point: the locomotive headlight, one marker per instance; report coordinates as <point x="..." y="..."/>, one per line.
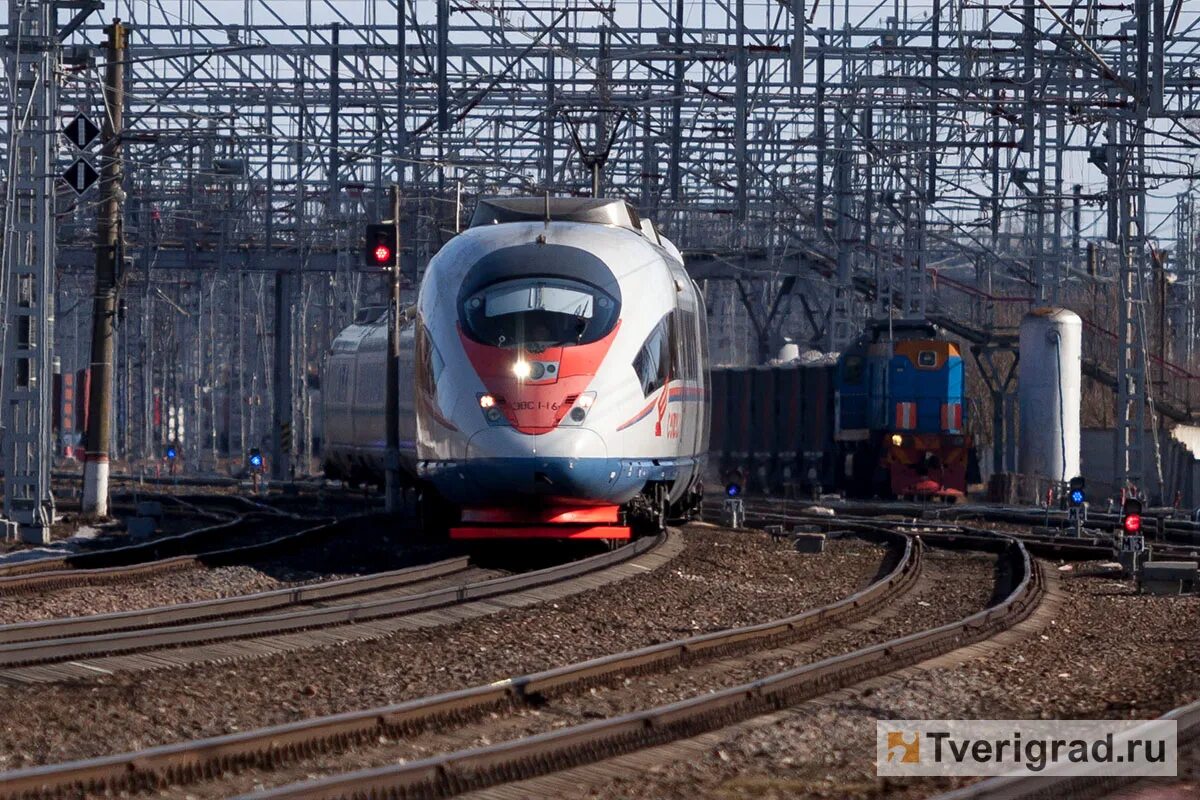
<point x="897" y="439"/>
<point x="490" y="404"/>
<point x="579" y="409"/>
<point x="522" y="369"/>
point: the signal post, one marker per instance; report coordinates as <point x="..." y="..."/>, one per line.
<point x="392" y="395"/>
<point x="381" y="249"/>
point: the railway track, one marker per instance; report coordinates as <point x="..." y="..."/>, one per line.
<point x="207" y="546"/>
<point x="230" y="516"/>
<point x="281" y="745"/>
<point x="519" y="759"/>
<point x="1161" y="527"/>
<point x="112" y="642"/>
<point x="1080" y="787"/>
<point x="762" y="512"/>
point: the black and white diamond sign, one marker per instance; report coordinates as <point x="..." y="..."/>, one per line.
<point x="80" y="175"/>
<point x="81" y="131"/>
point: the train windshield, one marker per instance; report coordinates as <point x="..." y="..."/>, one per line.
<point x="536" y="313"/>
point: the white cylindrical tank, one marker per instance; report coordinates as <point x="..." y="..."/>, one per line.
<point x="789" y="352"/>
<point x="1048" y="390"/>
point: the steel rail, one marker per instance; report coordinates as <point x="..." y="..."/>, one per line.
<point x="1065" y="547"/>
<point x="225" y="607"/>
<point x="128" y="641"/>
<point x="523" y="758"/>
<point x="250" y="516"/>
<point x="1073" y="787"/>
<point x="93" y="568"/>
<point x="187" y="762"/>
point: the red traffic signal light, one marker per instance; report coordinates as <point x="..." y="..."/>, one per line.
<point x="1131" y="516"/>
<point x="379" y="247"/>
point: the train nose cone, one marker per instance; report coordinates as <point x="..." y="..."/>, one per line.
<point x="504" y="467"/>
<point x="566" y="443"/>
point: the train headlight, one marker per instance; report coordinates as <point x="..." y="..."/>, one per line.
<point x="490" y="404"/>
<point x="522" y="369"/>
<point x="579" y="409"/>
<point x="897" y="440"/>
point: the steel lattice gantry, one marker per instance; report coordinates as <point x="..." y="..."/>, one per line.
<point x="821" y="166"/>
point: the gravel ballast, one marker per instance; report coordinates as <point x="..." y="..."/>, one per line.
<point x="1107" y="653"/>
<point x="953" y="585"/>
<point x="358" y="554"/>
<point x="721" y="579"/>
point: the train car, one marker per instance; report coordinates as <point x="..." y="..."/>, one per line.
<point x="553" y="382"/>
<point x="887" y="419"/>
<point x="764" y="411"/>
<point x="718" y="447"/>
<point x="779" y="431"/>
<point x="901" y="415"/>
<point x="740" y="404"/>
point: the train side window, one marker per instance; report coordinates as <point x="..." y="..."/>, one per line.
<point x="683" y="327"/>
<point x="927" y="359"/>
<point x="428" y="364"/>
<point x="653" y="362"/>
<point x="853" y="370"/>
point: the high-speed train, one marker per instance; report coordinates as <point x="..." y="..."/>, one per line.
<point x="552" y="379"/>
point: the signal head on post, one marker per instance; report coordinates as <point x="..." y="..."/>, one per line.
<point x="255" y="458"/>
<point x="1131" y="516"/>
<point x="1075" y="491"/>
<point x="171" y="452"/>
<point x="379" y="245"/>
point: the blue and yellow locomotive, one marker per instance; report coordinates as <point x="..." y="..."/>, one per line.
<point x="901" y="415"/>
<point x="887" y="420"/>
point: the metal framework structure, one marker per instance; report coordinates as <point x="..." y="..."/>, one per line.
<point x="821" y="166"/>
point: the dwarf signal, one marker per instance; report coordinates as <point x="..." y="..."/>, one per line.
<point x="1131" y="525"/>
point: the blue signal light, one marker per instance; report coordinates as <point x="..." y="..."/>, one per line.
<point x="256" y="460"/>
<point x="733" y="490"/>
<point x="1077" y="497"/>
<point x="171" y="453"/>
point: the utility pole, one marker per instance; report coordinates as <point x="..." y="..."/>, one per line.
<point x="108" y="251"/>
<point x="392" y="394"/>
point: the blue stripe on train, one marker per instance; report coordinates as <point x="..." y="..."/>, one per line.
<point x="510" y="481"/>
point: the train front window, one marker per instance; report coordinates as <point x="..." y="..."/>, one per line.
<point x="536" y="313"/>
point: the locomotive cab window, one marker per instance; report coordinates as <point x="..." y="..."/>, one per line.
<point x="537" y="313"/>
<point x="927" y="359"/>
<point x="653" y="362"/>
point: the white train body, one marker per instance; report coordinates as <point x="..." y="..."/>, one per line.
<point x="558" y="363"/>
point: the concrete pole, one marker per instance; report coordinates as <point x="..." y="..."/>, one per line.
<point x="104" y="310"/>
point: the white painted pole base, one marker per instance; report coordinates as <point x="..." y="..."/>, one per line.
<point x="95" y="487"/>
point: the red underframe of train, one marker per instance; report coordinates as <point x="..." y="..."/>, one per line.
<point x="948" y="479"/>
<point x="554" y="522"/>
